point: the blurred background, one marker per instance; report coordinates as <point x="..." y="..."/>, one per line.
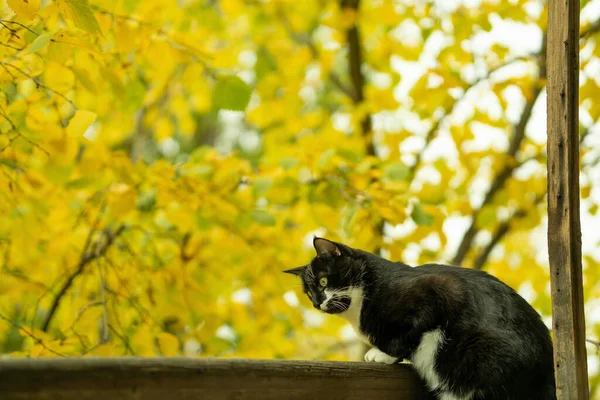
<point x="163" y="161"/>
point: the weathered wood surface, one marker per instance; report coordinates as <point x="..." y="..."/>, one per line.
<point x="564" y="230"/>
<point x="214" y="379"/>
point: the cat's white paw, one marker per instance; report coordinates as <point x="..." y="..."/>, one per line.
<point x="378" y="356"/>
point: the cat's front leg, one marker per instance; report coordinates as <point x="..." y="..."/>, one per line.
<point x="376" y="355"/>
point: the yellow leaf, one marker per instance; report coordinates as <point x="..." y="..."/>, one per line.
<point x="79" y="11"/>
<point x="80" y="123"/>
<point x="23" y="69"/>
<point x="25" y="8"/>
<point x="104" y="350"/>
<point x="59" y="77"/>
<point x="71" y="38"/>
<point x="585" y="191"/>
<point x="168" y="344"/>
<point x="27" y="331"/>
<point x="387" y="14"/>
<point x="164" y="129"/>
<point x="142" y="343"/>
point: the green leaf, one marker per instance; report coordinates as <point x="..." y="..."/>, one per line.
<point x="133" y="98"/>
<point x="130" y="5"/>
<point x="289" y="162"/>
<point x="146" y="200"/>
<point x="265" y="64"/>
<point x="39" y="43"/>
<point x="163" y="222"/>
<point x="80" y="183"/>
<point x="263" y="217"/>
<point x="261" y="185"/>
<point x="199" y="170"/>
<point x="487" y="217"/>
<point x="12" y="164"/>
<point x="202" y="222"/>
<point x="79" y="11"/>
<point x="325" y="157"/>
<point x="349" y="155"/>
<point x="231" y="93"/>
<point x="420" y="216"/>
<point x="396" y="171"/>
<point x="347" y="215"/>
<point x="83" y="78"/>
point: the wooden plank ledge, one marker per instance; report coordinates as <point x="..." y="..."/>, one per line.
<point x="203" y="378"/>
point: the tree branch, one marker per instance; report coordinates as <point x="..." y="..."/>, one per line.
<point x="590" y="29"/>
<point x="306" y="40"/>
<point x="501" y="231"/>
<point x="595" y="343"/>
<point x="355" y="60"/>
<point x="123" y="338"/>
<point x="31" y="335"/>
<point x="86" y="258"/>
<point x="510" y="165"/>
<point x="104" y="331"/>
<point x="433" y="131"/>
<point x="16" y="130"/>
<point x="3" y="22"/>
<point x="37" y="82"/>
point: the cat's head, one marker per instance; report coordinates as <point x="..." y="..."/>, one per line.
<point x="331" y="277"/>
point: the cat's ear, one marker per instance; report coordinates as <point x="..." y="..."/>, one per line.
<point x="324" y="246"/>
<point x="298" y="271"/>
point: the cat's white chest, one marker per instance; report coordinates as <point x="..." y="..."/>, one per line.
<point x="352" y="314"/>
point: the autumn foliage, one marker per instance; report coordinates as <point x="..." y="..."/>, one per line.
<point x="161" y="163"/>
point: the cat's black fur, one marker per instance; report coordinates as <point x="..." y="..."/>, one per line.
<point x="496" y="345"/>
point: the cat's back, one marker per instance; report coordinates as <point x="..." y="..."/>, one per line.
<point x="488" y="300"/>
<point x="493" y="319"/>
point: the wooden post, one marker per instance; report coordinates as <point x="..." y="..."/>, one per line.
<point x="564" y="230"/>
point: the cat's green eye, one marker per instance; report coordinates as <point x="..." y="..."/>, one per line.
<point x="309" y="294"/>
<point x="323" y="281"/>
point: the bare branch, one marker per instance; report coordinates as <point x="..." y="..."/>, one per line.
<point x="355" y="61"/>
<point x="510" y="164"/>
<point x="82" y="311"/>
<point x="106" y="240"/>
<point x="37" y="82"/>
<point x="11" y="46"/>
<point x="123" y="339"/>
<point x="21" y="276"/>
<point x="31" y="335"/>
<point x="3" y="22"/>
<point x="104" y="333"/>
<point x="590" y="30"/>
<point x="595" y="343"/>
<point x="501" y="231"/>
<point x="19" y="135"/>
<point x="433" y="131"/>
<point x="306" y="40"/>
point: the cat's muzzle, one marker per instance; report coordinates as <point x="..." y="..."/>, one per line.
<point x="336" y="305"/>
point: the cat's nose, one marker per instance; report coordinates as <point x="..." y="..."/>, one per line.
<point x="316" y="305"/>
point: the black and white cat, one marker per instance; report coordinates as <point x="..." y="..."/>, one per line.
<point x="467" y="334"/>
